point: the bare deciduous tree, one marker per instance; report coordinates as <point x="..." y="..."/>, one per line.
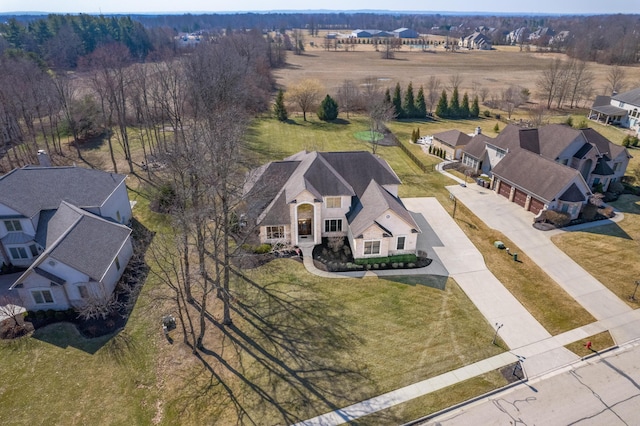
<point x="616" y="79"/>
<point x="305" y="95"/>
<point x="433" y="92"/>
<point x="347" y="94"/>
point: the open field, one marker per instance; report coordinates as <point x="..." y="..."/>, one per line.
<point x="495" y="69"/>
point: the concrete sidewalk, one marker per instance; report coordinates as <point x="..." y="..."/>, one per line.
<point x="516" y="224"/>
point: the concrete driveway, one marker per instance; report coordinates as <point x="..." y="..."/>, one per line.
<point x="516" y="224"/>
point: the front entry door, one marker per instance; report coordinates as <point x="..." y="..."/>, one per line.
<point x="304" y="227"/>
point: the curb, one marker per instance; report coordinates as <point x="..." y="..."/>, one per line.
<point x="464" y="403"/>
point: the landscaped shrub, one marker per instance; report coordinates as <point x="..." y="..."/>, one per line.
<point x="263" y="248"/>
<point x="607" y="211"/>
<point x="335" y="243"/>
<point x="557" y="218"/>
<point x="616" y="187"/>
<point x="486" y="113"/>
<point x="401" y="258"/>
<point x="589" y="212"/>
<point x="60" y="316"/>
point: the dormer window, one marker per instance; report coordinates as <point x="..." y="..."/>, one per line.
<point x="333" y="202"/>
<point x="13" y="225"/>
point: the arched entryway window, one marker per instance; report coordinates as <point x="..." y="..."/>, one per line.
<point x="305" y="222"/>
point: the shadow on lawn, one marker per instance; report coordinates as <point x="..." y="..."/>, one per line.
<point x="434" y="281"/>
<point x="611" y="229"/>
<point x="290" y="354"/>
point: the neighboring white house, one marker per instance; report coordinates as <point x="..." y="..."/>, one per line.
<point x="620" y="109"/>
<point x="312" y="195"/>
<point x="67" y="226"/>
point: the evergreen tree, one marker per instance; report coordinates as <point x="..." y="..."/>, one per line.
<point x="464" y="108"/>
<point x="454" y="105"/>
<point x="413" y="136"/>
<point x="496" y="128"/>
<point x="397" y="102"/>
<point x="409" y="102"/>
<point x="430" y="149"/>
<point x="475" y="108"/>
<point x="442" y="109"/>
<point x="417" y="133"/>
<point x="328" y="110"/>
<point x="421" y="105"/>
<point x="387" y="97"/>
<point x="279" y="109"/>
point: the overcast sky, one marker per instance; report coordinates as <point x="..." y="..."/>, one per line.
<point x="178" y="6"/>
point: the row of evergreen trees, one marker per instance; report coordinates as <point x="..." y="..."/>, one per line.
<point x="455" y="108"/>
<point x="438" y="152"/>
<point x="410" y="107"/>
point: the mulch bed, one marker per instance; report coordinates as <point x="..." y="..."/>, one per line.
<point x="9" y="330"/>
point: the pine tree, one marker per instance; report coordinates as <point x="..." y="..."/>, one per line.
<point x="397" y="102"/>
<point x="421" y="105"/>
<point x="387" y="97"/>
<point x="279" y="109"/>
<point x="454" y="105"/>
<point x="430" y="149"/>
<point x="442" y="109"/>
<point x="475" y="108"/>
<point x="328" y="109"/>
<point x="409" y="102"/>
<point x="464" y="108"/>
<point x="413" y="136"/>
<point x="496" y="128"/>
<point x="418" y="133"/>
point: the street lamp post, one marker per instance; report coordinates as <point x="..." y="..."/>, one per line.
<point x="633" y="296"/>
<point x="495" y="336"/>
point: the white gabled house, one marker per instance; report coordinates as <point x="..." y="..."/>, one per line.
<point x="620" y="109"/>
<point x="66" y="225"/>
<point x="312" y="195"/>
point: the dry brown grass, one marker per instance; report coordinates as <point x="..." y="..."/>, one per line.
<point x="598" y="341"/>
<point x="495" y="70"/>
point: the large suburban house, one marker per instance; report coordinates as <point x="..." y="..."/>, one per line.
<point x="620" y="109"/>
<point x="475" y="41"/>
<point x="554" y="167"/>
<point x="67" y="226"/>
<point x="315" y="195"/>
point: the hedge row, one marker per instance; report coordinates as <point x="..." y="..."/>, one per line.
<point x="401" y="258"/>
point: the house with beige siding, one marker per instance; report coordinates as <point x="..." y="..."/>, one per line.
<point x="314" y="195"/>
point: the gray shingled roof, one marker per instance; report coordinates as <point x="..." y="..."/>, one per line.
<point x="477" y="146"/>
<point x="31" y="189"/>
<point x="374" y="202"/>
<point x="555" y="138"/>
<point x="535" y="174"/>
<point x="573" y="194"/>
<point x="453" y="138"/>
<point x="631" y="97"/>
<point x="360" y="167"/>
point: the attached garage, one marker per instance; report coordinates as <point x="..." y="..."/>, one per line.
<point x="536" y="205"/>
<point x="520" y="198"/>
<point x="505" y="189"/>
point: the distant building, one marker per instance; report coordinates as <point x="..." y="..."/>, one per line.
<point x="405" y="33"/>
<point x="475" y="41"/>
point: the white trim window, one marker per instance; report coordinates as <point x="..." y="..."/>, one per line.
<point x="333" y="202"/>
<point x="42" y="297"/>
<point x="275" y="232"/>
<point x="333" y="225"/>
<point x="401" y="242"/>
<point x="372" y="247"/>
<point x="83" y="291"/>
<point x="13" y="225"/>
<point x="18" y="253"/>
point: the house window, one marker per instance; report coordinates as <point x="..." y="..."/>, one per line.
<point x="616" y="166"/>
<point x="500" y="152"/>
<point x="34" y="250"/>
<point x="596" y="181"/>
<point x="275" y="232"/>
<point x="18" y="253"/>
<point x="117" y="264"/>
<point x="118" y="217"/>
<point x="400" y="244"/>
<point x="84" y="292"/>
<point x="333" y="202"/>
<point x="42" y="297"/>
<point x="13" y="225"/>
<point x="333" y="225"/>
<point x="372" y="247"/>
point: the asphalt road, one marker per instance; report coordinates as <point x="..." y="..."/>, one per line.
<point x="604" y="390"/>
